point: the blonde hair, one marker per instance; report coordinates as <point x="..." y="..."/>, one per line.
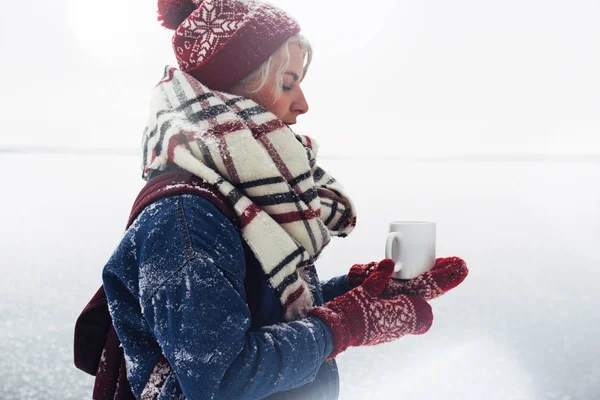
<point x="274" y="68"/>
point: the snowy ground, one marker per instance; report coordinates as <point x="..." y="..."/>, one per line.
<point x="524" y="325"/>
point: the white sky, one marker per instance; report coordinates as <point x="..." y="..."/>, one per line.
<point x="406" y="77"/>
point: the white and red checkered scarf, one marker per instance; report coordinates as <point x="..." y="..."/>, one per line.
<point x="288" y="207"/>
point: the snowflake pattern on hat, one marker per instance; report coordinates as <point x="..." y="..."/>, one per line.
<point x="208" y="26"/>
<point x="220" y="42"/>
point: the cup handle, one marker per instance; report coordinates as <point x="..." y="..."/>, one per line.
<point x="389" y="244"/>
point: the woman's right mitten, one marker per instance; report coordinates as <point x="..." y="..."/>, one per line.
<point x="360" y="318"/>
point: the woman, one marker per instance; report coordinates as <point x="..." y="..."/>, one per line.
<point x="216" y="296"/>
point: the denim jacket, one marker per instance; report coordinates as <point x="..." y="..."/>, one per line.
<point x="182" y="284"/>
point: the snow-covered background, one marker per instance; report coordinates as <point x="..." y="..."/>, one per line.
<point x="481" y="116"/>
<point x="524" y="325"/>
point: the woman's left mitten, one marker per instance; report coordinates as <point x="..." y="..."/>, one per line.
<point x="360" y="318"/>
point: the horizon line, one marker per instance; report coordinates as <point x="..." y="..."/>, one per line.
<point x="472" y="156"/>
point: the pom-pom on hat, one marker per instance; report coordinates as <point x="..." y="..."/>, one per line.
<point x="220" y="42"/>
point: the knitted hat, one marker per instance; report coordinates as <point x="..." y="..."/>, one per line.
<point x="220" y="42"/>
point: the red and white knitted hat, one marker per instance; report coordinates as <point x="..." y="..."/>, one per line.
<point x="220" y="42"/>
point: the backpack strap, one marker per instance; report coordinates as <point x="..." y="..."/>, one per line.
<point x="97" y="349"/>
<point x="178" y="182"/>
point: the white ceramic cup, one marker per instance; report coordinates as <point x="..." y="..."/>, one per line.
<point x="412" y="245"/>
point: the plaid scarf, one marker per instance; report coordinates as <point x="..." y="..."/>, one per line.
<point x="287" y="206"/>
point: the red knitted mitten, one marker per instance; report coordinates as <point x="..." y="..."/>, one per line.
<point x="446" y="274"/>
<point x="360" y="318"/>
<point x="359" y="272"/>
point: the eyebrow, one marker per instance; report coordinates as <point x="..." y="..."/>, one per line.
<point x="293" y="74"/>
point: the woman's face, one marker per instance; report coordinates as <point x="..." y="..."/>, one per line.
<point x="292" y="102"/>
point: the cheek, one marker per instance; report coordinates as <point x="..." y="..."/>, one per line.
<point x="279" y="108"/>
<point x="265" y="98"/>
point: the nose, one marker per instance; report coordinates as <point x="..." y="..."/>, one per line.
<point x="300" y="105"/>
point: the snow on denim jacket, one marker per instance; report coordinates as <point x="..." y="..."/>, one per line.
<point x="182" y="284"/>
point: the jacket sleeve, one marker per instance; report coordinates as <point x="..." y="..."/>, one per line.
<point x="334" y="287"/>
<point x="201" y="320"/>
